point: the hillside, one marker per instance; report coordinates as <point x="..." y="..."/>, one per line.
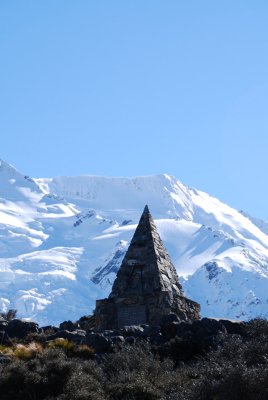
<point x="63" y="239"/>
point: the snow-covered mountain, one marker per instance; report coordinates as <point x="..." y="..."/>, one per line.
<point x="62" y="241"/>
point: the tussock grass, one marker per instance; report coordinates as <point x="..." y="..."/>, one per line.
<point x="26" y="352"/>
<point x="61" y="343"/>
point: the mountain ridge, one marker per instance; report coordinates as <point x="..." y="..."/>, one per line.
<point x="63" y="239"/>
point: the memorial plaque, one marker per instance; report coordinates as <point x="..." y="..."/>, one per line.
<point x="131" y="315"/>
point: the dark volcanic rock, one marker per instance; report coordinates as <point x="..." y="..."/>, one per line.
<point x="130" y="340"/>
<point x="133" y="330"/>
<point x="78" y="336"/>
<point x="151" y="330"/>
<point x="117" y="339"/>
<point x="169" y="318"/>
<point x="109" y="333"/>
<point x="234" y="327"/>
<point x="100" y="343"/>
<point x="170" y="330"/>
<point x="157" y="338"/>
<point x="68" y="326"/>
<point x="49" y="329"/>
<point x="208" y="327"/>
<point x="87" y="322"/>
<point x="18" y="328"/>
<point x="185" y="329"/>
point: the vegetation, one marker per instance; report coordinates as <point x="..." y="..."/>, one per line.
<point x="235" y="367"/>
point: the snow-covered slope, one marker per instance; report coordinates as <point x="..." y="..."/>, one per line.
<point x="63" y="239"/>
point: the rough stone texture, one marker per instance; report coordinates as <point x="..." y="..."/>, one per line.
<point x="100" y="343"/>
<point x="68" y="326"/>
<point x="234" y="327"/>
<point x="146" y="287"/>
<point x="86" y="322"/>
<point x="78" y="336"/>
<point x="49" y="329"/>
<point x="208" y="326"/>
<point x="19" y="329"/>
<point x="132" y="331"/>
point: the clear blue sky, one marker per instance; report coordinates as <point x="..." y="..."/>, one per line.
<point x="139" y="87"/>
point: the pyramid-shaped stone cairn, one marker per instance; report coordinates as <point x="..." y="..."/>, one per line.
<point x="147" y="285"/>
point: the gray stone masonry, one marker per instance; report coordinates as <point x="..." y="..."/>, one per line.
<point x="147" y="285"/>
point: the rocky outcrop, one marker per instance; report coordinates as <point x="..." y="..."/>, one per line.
<point x="18" y="328"/>
<point x="77" y="336"/>
<point x="147" y="285"/>
<point x="192" y="337"/>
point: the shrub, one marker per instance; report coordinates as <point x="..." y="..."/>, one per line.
<point x="35" y="337"/>
<point x="87" y="382"/>
<point x="180" y="350"/>
<point x="84" y="351"/>
<point x="136" y="373"/>
<point x="236" y="369"/>
<point x="135" y="390"/>
<point x="257" y="327"/>
<point x="51" y="375"/>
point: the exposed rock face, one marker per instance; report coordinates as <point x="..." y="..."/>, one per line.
<point x="19" y="329"/>
<point x="147" y="285"/>
<point x="78" y="336"/>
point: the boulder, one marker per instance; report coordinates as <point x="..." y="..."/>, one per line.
<point x="130" y="340"/>
<point x="100" y="343"/>
<point x="117" y="339"/>
<point x="157" y="339"/>
<point x="110" y="333"/>
<point x="19" y="328"/>
<point x="168" y="319"/>
<point x="132" y="330"/>
<point x="185" y="329"/>
<point x="208" y="327"/>
<point x="78" y="336"/>
<point x="206" y="332"/>
<point x="234" y="327"/>
<point x="169" y="330"/>
<point x="49" y="329"/>
<point x="68" y="326"/>
<point x="151" y="330"/>
<point x="87" y="322"/>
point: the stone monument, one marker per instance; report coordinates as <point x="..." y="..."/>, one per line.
<point x="147" y="285"/>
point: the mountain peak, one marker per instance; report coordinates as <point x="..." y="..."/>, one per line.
<point x="51" y="247"/>
<point x="6" y="167"/>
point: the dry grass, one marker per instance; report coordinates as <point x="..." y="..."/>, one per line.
<point x="26" y="352"/>
<point x="61" y="343"/>
<point x="6" y="350"/>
